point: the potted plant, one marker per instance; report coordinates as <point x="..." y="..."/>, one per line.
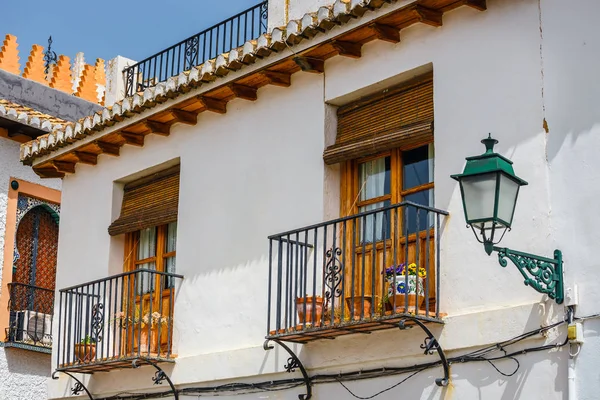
<point x="85" y="350"/>
<point x="307" y="302"/>
<point x="144" y="329"/>
<point x="398" y="277"/>
<point x="362" y="306"/>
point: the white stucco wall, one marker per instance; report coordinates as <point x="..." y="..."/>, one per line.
<point x="571" y="90"/>
<point x="24" y="372"/>
<point x="258" y="170"/>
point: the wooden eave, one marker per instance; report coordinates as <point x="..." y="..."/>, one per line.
<point x="20" y="132"/>
<point x="238" y="74"/>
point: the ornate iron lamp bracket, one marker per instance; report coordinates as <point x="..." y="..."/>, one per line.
<point x="429" y="345"/>
<point x="77" y="388"/>
<point x="159" y="375"/>
<point x="544" y="275"/>
<point x="292" y="363"/>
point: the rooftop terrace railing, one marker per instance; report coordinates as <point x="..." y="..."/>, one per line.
<point x="195" y="50"/>
<point x="360" y="273"/>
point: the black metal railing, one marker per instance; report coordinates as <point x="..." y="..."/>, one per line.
<point x="195" y="50"/>
<point x="119" y="318"/>
<point x="31" y="309"/>
<point x="371" y="266"/>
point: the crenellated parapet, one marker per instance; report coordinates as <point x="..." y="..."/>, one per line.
<point x="74" y="77"/>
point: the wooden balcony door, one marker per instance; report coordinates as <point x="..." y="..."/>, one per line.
<point x="151" y="295"/>
<point x="386" y="238"/>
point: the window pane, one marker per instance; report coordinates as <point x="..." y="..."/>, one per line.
<point x="147" y="243"/>
<point x="145" y="280"/>
<point x="146" y="249"/>
<point x="418" y="167"/>
<point x="171" y="242"/>
<point x="374" y="178"/>
<point x="425" y="218"/>
<point x="375" y="225"/>
<point x="170" y="268"/>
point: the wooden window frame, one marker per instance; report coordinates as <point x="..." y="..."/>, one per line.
<point x="350" y="186"/>
<point x="131" y="250"/>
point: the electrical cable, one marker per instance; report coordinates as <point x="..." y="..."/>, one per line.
<point x="382" y="391"/>
<point x="481" y="355"/>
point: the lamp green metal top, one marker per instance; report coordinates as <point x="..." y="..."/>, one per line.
<point x="489" y="162"/>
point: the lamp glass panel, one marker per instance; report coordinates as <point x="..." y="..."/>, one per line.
<point x="507" y="198"/>
<point x="479" y="196"/>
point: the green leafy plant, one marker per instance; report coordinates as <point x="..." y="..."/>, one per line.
<point x="88" y="340"/>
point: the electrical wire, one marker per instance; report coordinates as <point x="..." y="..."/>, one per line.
<point x="382" y="391"/>
<point x="481" y="355"/>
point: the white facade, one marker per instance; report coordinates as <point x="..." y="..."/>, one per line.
<point x="258" y="170"/>
<point x="25" y="372"/>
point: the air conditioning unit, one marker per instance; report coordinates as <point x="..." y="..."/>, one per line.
<point x="34" y="327"/>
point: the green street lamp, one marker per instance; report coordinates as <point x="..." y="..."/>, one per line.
<point x="489" y="189"/>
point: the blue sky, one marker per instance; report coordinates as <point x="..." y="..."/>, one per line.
<point x="104" y="29"/>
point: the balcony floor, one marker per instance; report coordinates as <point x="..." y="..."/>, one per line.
<point x="308" y="333"/>
<point x="109" y="364"/>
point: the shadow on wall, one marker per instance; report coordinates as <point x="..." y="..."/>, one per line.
<point x="25" y="362"/>
<point x="24" y="374"/>
<point x="512" y="376"/>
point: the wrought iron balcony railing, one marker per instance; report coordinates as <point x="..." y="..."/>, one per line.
<point x="110" y="322"/>
<point x="350" y="274"/>
<point x="195" y="50"/>
<point x="31" y="309"/>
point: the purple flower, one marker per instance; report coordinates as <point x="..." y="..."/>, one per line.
<point x="394" y="270"/>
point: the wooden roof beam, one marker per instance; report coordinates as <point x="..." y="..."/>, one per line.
<point x="86" y="158"/>
<point x="347" y="49"/>
<point x="185" y="117"/>
<point x="112" y="149"/>
<point x="480" y="5"/>
<point x="310" y="64"/>
<point x="48" y="172"/>
<point x="386" y="33"/>
<point x="64" y="167"/>
<point x="214" y="105"/>
<point x="244" y="92"/>
<point x="157" y="128"/>
<point x="427" y="15"/>
<point x="277" y="78"/>
<point x="134" y="139"/>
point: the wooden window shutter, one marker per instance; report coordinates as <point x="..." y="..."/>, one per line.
<point x="399" y="117"/>
<point x="147" y="202"/>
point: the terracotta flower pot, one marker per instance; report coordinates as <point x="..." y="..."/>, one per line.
<point x="308" y="301"/>
<point x="141" y="338"/>
<point x="85" y="352"/>
<point x="360" y="304"/>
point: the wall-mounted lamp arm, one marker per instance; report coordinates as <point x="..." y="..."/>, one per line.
<point x="545" y="275"/>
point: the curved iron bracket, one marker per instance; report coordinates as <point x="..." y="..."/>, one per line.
<point x="78" y="388"/>
<point x="545" y="275"/>
<point x="292" y="363"/>
<point x="429" y="344"/>
<point x="159" y="375"/>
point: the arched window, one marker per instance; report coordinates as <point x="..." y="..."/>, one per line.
<point x="34" y="272"/>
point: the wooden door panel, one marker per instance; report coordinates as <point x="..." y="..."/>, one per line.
<point x="376" y="258"/>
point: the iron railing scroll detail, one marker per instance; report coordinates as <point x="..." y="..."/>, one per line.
<point x="370" y="268"/>
<point x="293" y="362"/>
<point x="429" y="345"/>
<point x="110" y="322"/>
